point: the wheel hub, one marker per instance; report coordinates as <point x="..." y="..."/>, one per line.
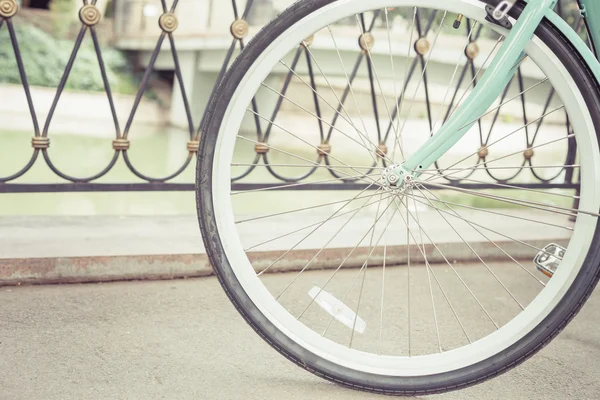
<point x="396" y="178"/>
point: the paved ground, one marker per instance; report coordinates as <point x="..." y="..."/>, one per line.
<point x="183" y="340"/>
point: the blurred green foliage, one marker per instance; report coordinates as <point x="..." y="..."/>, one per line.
<point x="45" y="59"/>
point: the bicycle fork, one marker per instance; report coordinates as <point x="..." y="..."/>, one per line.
<point x="494" y="80"/>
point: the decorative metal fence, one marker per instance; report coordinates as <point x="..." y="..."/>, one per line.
<point x="89" y="16"/>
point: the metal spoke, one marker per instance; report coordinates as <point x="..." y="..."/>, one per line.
<point x="400" y="102"/>
<point x="422" y="251"/>
<point x="303" y="209"/>
<point x="300" y="139"/>
<point x="316" y="165"/>
<point x="462" y="54"/>
<point x="382" y="287"/>
<point x="423" y="73"/>
<point x="320" y="250"/>
<point x="494" y="231"/>
<point x="505" y="185"/>
<point x="485" y="141"/>
<point x="361" y="268"/>
<point x="437" y="199"/>
<point x="348" y="120"/>
<point x="504" y="137"/>
<point x="478" y="256"/>
<point x="527" y="203"/>
<point x="284" y="89"/>
<point x="317" y="117"/>
<point x="397" y="139"/>
<point x="377" y="76"/>
<point x="340" y="267"/>
<point x="486" y="163"/>
<point x="406" y="222"/>
<point x="313" y="84"/>
<point x="503" y="167"/>
<point x="371" y="80"/>
<point x="308" y="226"/>
<point x="298" y="184"/>
<point x="546" y="106"/>
<point x="489" y="211"/>
<point x="355" y="169"/>
<point x="340" y="102"/>
<point x="474" y="80"/>
<point x="362" y="284"/>
<point x="428" y="268"/>
<point x="349" y="86"/>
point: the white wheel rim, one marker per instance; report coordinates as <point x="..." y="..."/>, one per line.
<point x="404" y="366"/>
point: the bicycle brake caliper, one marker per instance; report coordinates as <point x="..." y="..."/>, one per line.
<point x="499" y="15"/>
<point x="502" y="9"/>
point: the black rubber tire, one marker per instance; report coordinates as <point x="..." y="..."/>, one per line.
<point x="516" y="354"/>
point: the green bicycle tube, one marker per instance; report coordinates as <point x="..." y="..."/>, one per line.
<point x="592" y="17"/>
<point x="494" y="80"/>
<point x="573" y="37"/>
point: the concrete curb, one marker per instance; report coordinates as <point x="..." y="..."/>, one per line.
<point x="17" y="271"/>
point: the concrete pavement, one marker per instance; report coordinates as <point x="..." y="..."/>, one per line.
<point x="182" y="339"/>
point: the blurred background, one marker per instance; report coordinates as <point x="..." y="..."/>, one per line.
<point x="157" y="101"/>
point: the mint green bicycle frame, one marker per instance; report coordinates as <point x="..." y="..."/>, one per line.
<point x="501" y="70"/>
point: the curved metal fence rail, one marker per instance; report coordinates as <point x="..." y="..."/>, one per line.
<point x="89" y="16"/>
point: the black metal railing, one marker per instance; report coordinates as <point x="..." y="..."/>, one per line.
<point x="89" y="16"/>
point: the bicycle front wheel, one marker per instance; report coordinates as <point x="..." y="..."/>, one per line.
<point x="422" y="287"/>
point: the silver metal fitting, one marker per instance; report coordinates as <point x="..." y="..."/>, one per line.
<point x="502" y="9"/>
<point x="392" y="178"/>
